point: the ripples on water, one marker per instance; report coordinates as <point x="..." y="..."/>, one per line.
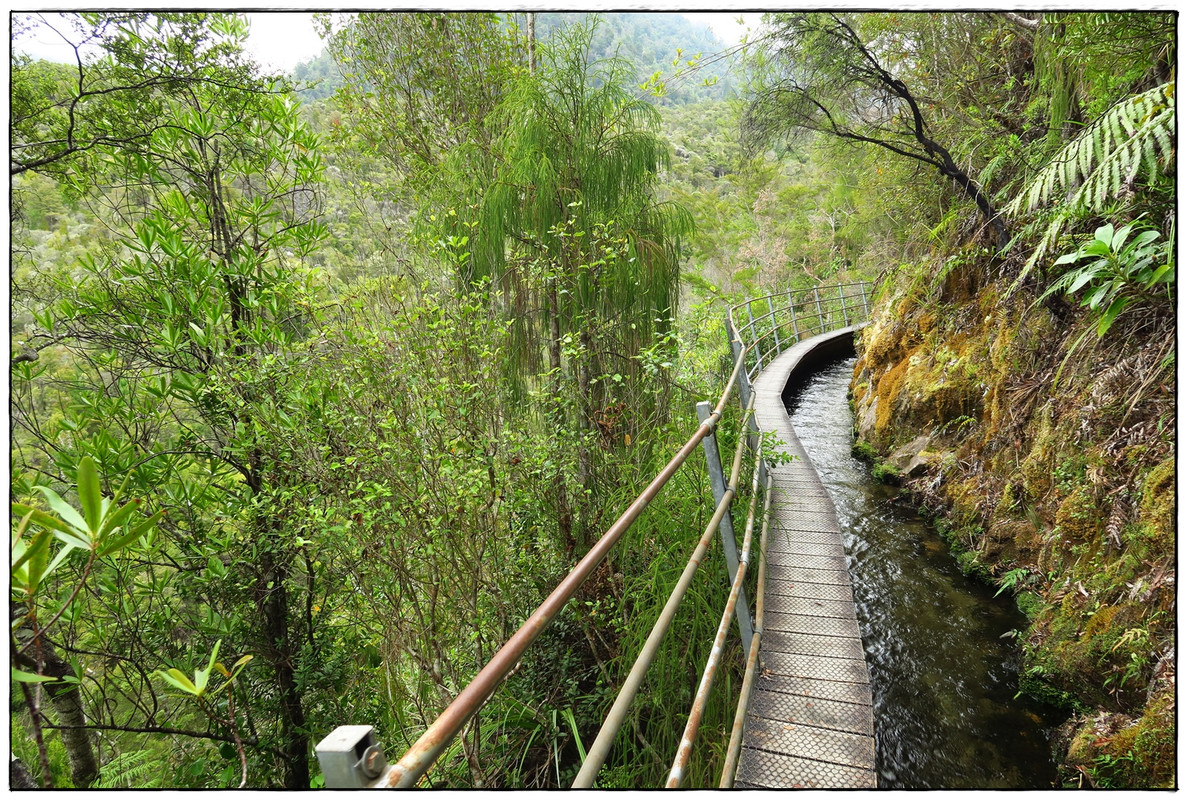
<point x="943" y="679"/>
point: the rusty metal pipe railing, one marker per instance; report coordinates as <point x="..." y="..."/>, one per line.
<point x="734" y="748"/>
<point x="596" y="754"/>
<point x="416" y="761"/>
<point x="425" y="751"/>
<point x="684" y="752"/>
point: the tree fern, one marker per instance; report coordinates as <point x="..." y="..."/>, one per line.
<point x="135" y="769"/>
<point x="1132" y="139"/>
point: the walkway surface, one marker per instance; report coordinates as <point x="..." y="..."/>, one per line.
<point x="810" y="722"/>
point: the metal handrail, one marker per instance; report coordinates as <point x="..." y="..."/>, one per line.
<point x="734" y="748"/>
<point x="684" y="752"/>
<point x="596" y="755"/>
<point x="749" y="325"/>
<point x="425" y="751"/>
<point x="817" y="324"/>
<point x="789" y="293"/>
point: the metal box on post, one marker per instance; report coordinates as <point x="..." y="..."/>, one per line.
<point x="350" y="757"/>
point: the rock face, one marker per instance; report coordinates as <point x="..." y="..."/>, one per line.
<point x="865" y="425"/>
<point x="1068" y="485"/>
<point x="907" y="459"/>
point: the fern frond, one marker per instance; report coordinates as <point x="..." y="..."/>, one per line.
<point x="1124" y="136"/>
<point x="135" y="769"/>
<point x="1135" y="136"/>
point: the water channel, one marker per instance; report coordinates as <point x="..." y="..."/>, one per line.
<point x="943" y="678"/>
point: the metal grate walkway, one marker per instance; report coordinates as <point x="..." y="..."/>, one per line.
<point x="810" y="722"/>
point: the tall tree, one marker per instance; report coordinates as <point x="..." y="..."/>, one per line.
<point x="418" y="85"/>
<point x="571" y="218"/>
<point x="181" y="332"/>
<point x="114" y="94"/>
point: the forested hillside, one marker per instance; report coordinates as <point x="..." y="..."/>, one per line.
<point x="320" y="383"/>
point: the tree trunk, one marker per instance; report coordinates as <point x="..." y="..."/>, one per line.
<point x="584" y="459"/>
<point x="564" y="514"/>
<point x="19" y="777"/>
<point x="68" y="705"/>
<point x="283" y="653"/>
<point x="532" y="43"/>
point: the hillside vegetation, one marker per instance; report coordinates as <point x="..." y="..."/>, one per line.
<point x="307" y="371"/>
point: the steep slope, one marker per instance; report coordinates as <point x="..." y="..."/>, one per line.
<point x="1048" y="454"/>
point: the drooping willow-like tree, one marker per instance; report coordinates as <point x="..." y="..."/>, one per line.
<point x="569" y="226"/>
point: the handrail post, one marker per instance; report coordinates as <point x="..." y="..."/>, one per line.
<point x="729" y="541"/>
<point x="754" y="338"/>
<point x="774" y="325"/>
<point x="865" y="300"/>
<point x="844" y="311"/>
<point x="743" y="375"/>
<point x="791" y="308"/>
<point x="819" y="310"/>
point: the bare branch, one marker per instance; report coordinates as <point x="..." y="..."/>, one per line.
<point x="1021" y="21"/>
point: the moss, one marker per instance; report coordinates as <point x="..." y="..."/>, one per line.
<point x="1037" y="468"/>
<point x="1117" y="751"/>
<point x="886" y="473"/>
<point x="889" y="387"/>
<point x="884" y="344"/>
<point x="1154" y="743"/>
<point x="1078" y="517"/>
<point x="1002" y="346"/>
<point x="1033" y="685"/>
<point x="966" y="497"/>
<point x="860" y="390"/>
<point x="952" y="399"/>
<point x="1157" y="509"/>
<point x="971" y="566"/>
<point x="1008" y="539"/>
<point x="863" y="450"/>
<point x="1100" y="621"/>
<point x="1009" y="505"/>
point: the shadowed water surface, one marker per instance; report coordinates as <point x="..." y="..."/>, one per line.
<point x="943" y="678"/>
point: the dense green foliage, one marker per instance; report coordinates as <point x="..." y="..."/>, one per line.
<point x="346" y="383"/>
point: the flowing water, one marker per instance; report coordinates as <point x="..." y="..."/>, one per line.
<point x="943" y="678"/>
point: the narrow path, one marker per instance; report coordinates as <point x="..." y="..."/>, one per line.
<point x="810" y="722"/>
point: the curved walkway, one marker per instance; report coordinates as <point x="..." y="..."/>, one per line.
<point x="810" y="722"/>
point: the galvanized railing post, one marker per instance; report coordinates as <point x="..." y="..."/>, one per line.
<point x="795" y="328"/>
<point x="865" y="300"/>
<point x="819" y="310"/>
<point x="736" y="348"/>
<point x="729" y="542"/>
<point x="774" y="326"/>
<point x="844" y="311"/>
<point x="754" y="338"/>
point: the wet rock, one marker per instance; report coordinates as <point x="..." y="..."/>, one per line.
<point x="907" y="458"/>
<point x="865" y="426"/>
<point x="920" y="463"/>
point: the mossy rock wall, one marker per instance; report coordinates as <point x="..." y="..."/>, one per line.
<point x="1052" y="458"/>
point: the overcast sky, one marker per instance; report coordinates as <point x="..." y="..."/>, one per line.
<point x="282" y="40"/>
